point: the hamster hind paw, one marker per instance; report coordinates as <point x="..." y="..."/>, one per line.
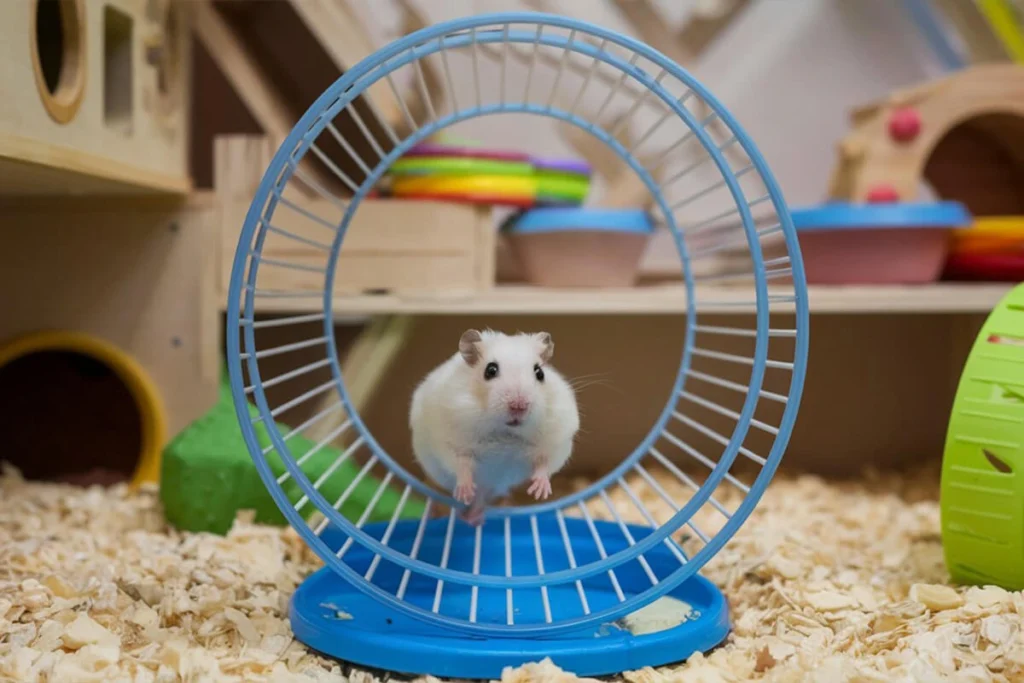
<point x="473" y="515"/>
<point x="465" y="492"/>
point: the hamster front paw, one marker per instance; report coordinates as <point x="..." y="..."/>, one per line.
<point x="540" y="486"/>
<point x="465" y="487"/>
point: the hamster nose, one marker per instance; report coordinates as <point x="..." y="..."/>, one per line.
<point x="518" y="405"/>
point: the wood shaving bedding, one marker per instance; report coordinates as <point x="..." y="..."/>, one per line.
<point x="826" y="582"/>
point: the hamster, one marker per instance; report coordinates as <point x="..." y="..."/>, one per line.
<point x="492" y="416"/>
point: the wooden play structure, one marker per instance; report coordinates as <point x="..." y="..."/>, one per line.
<point x="404" y="247"/>
<point x="106" y="269"/>
<point x="254" y="45"/>
<point x="962" y="134"/>
<point x="95" y="97"/>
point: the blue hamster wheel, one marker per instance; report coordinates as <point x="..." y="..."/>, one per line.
<point x="604" y="579"/>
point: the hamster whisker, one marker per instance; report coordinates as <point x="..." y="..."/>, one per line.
<point x="572" y="380"/>
<point x="600" y="383"/>
<point x="592" y="383"/>
<point x="584" y="381"/>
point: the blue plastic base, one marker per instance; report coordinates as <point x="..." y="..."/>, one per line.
<point x="337" y="620"/>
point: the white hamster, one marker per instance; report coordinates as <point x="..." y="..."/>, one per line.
<point x="492" y="416"/>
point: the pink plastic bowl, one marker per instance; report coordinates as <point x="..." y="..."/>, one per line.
<point x="579" y="258"/>
<point x="577" y="247"/>
<point x="881" y="256"/>
<point x="877" y="243"/>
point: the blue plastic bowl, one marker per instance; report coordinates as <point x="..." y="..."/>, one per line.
<point x="575" y="247"/>
<point x="557" y="219"/>
<point x="858" y="244"/>
<point x="845" y="216"/>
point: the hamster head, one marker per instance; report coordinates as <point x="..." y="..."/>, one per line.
<point x="508" y="375"/>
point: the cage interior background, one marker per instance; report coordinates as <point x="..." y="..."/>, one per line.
<point x="289" y="213"/>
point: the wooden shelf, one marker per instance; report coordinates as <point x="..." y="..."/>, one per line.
<point x="660" y="299"/>
<point x="936" y="298"/>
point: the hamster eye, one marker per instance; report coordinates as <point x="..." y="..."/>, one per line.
<point x="538" y="372"/>
<point x="491" y="371"/>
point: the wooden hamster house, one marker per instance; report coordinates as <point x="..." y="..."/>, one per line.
<point x="925" y="134"/>
<point x="128" y="287"/>
<point x="95" y="97"/>
<point x="103" y="274"/>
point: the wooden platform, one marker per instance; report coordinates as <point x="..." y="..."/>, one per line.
<point x="659" y="299"/>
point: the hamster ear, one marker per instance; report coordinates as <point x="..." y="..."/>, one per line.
<point x="468" y="346"/>
<point x="547" y="346"/>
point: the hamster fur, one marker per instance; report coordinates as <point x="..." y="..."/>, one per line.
<point x="492" y="416"/>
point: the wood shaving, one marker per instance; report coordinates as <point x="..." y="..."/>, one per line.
<point x="662" y="614"/>
<point x="545" y="670"/>
<point x="764" y="660"/>
<point x="936" y="598"/>
<point x="826" y="582"/>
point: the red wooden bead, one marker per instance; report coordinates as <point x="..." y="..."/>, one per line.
<point x="904" y="124"/>
<point x="883" y="193"/>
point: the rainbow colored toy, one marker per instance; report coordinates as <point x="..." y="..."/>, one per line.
<point x="561" y="182"/>
<point x="505" y="190"/>
<point x="458" y="166"/>
<point x="486" y="176"/>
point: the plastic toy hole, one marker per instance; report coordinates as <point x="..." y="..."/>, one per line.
<point x="1004" y="339"/>
<point x="117" y="70"/>
<point x="997" y="462"/>
<point x="990" y="184"/>
<point x="58" y="45"/>
<point x="68" y="416"/>
<point x="1001" y="394"/>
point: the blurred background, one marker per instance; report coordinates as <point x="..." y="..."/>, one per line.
<point x="790" y="72"/>
<point x="134" y="135"/>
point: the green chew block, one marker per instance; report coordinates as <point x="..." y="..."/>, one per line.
<point x="207" y="476"/>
